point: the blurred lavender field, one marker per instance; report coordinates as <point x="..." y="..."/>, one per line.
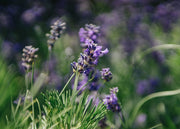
<point x="141" y="38"/>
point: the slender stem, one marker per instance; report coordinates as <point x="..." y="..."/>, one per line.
<point x="32" y="75"/>
<point x="49" y="60"/>
<point x="32" y="110"/>
<point x="122" y="119"/>
<point x="149" y="97"/>
<point x="84" y="85"/>
<point x="158" y="125"/>
<point x="156" y="48"/>
<point x="39" y="108"/>
<point x="26" y="80"/>
<point x="75" y="83"/>
<point x="67" y="84"/>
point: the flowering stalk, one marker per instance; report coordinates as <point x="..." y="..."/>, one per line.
<point x="111" y="102"/>
<point x="55" y="33"/>
<point x="28" y="59"/>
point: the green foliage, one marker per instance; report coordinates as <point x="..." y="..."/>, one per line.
<point x="64" y="112"/>
<point x="9" y="83"/>
<point x="23" y="114"/>
<point x="59" y="111"/>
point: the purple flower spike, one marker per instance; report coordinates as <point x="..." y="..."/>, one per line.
<point x="56" y="31"/>
<point x="28" y="57"/>
<point x="92" y="52"/>
<point x="89" y="35"/>
<point x="111" y="101"/>
<point x="89" y="58"/>
<point x="106" y="74"/>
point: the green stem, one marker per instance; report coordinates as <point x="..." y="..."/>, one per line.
<point x="156" y="48"/>
<point x="49" y="60"/>
<point x="67" y="84"/>
<point x="122" y="119"/>
<point x="158" y="125"/>
<point x="32" y="75"/>
<point x="32" y="111"/>
<point x="75" y="83"/>
<point x="26" y="80"/>
<point x="84" y="85"/>
<point x="149" y="97"/>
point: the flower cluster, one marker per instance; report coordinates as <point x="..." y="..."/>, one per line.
<point x="56" y="30"/>
<point x="89" y="58"/>
<point x="89" y="35"/>
<point x="106" y="74"/>
<point x="111" y="101"/>
<point x="29" y="57"/>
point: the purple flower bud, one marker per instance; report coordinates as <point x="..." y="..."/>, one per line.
<point x="106" y="74"/>
<point x="28" y="57"/>
<point x="111" y="101"/>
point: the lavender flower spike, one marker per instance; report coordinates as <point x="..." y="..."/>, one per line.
<point x="89" y="34"/>
<point x="89" y="58"/>
<point x="28" y="57"/>
<point x="111" y="101"/>
<point x="106" y="74"/>
<point x="56" y="30"/>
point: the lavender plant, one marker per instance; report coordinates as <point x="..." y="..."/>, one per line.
<point x="60" y="110"/>
<point x="86" y="105"/>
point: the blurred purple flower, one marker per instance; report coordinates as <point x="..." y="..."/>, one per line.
<point x="167" y="13"/>
<point x="94" y="85"/>
<point x="54" y="79"/>
<point x="102" y="123"/>
<point x="56" y="31"/>
<point x="31" y="15"/>
<point x="81" y="84"/>
<point x="140" y="120"/>
<point x="89" y="34"/>
<point x="106" y="74"/>
<point x="21" y="98"/>
<point x="158" y="56"/>
<point x="111" y="101"/>
<point x="5" y="20"/>
<point x="147" y="86"/>
<point x="94" y="97"/>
